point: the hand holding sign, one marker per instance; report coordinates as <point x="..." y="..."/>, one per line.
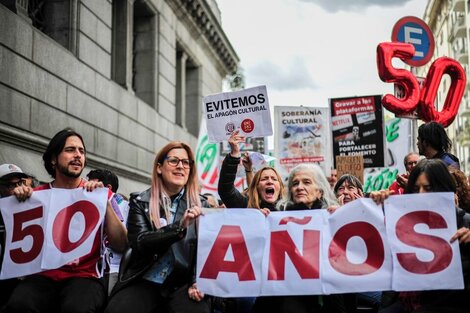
<point x="50" y="229"/>
<point x="234" y="142"/>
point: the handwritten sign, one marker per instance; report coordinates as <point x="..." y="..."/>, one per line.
<point x="350" y="164"/>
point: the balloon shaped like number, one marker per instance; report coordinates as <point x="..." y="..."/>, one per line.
<point x="387" y="73"/>
<point x="439" y="67"/>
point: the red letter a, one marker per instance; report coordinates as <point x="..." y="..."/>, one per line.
<point x="215" y="263"/>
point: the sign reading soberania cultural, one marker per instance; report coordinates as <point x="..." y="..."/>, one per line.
<point x="357" y="127"/>
<point x="302" y="136"/>
<point x="247" y="110"/>
<point x="242" y="253"/>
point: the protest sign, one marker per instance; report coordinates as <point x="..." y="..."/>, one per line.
<point x="350" y="164"/>
<point x="357" y="128"/>
<point x="302" y="136"/>
<point x="398" y="143"/>
<point x="241" y="253"/>
<point x="50" y="229"/>
<point x="246" y="110"/>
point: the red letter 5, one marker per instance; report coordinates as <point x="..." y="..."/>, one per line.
<point x="215" y="263"/>
<point x="307" y="266"/>
<point x="438" y="246"/>
<point x="19" y="233"/>
<point x="387" y="73"/>
<point x="374" y="244"/>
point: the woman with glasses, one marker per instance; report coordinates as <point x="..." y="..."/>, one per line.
<point x="265" y="190"/>
<point x="158" y="274"/>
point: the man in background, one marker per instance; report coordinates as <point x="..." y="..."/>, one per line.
<point x="434" y="143"/>
<point x="121" y="208"/>
<point x="398" y="186"/>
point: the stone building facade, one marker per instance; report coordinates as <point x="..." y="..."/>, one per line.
<point x="128" y="75"/>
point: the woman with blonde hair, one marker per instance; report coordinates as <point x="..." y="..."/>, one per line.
<point x="265" y="190"/>
<point x="158" y="274"/>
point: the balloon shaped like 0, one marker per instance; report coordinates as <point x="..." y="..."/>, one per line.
<point x="439" y="67"/>
<point x="387" y="73"/>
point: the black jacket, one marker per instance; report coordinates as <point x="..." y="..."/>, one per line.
<point x="231" y="197"/>
<point x="147" y="244"/>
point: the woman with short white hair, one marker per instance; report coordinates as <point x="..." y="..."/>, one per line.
<point x="308" y="189"/>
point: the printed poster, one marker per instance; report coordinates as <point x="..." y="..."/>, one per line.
<point x="302" y="136"/>
<point x="246" y="110"/>
<point x="357" y="128"/>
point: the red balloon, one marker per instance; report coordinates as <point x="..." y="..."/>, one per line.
<point x="439" y="67"/>
<point x="387" y="73"/>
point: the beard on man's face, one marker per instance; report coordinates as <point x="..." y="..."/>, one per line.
<point x="64" y="170"/>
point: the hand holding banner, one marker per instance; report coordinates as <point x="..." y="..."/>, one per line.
<point x="51" y="229"/>
<point x="241" y="253"/>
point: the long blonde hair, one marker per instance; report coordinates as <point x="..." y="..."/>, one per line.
<point x="158" y="196"/>
<point x="254" y="200"/>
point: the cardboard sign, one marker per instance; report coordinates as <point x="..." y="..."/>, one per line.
<point x="350" y="164"/>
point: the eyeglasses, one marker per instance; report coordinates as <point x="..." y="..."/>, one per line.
<point x="412" y="163"/>
<point x="174" y="161"/>
<point x="11" y="185"/>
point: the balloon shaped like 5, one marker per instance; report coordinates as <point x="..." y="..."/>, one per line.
<point x="414" y="98"/>
<point x="439" y="67"/>
<point x="387" y="73"/>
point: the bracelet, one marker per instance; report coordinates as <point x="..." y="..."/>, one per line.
<point x="247" y="171"/>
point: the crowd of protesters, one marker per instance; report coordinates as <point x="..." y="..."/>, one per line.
<point x="144" y="258"/>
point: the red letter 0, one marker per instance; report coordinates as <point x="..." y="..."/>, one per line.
<point x="61" y="226"/>
<point x="438" y="68"/>
<point x="19" y="233"/>
<point x="374" y="244"/>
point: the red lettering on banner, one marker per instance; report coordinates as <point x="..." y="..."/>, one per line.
<point x="61" y="225"/>
<point x="439" y="247"/>
<point x="300" y="221"/>
<point x="308" y="265"/>
<point x="375" y="249"/>
<point x="19" y="233"/>
<point x="229" y="235"/>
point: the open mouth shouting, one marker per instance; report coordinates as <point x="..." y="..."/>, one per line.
<point x="269" y="194"/>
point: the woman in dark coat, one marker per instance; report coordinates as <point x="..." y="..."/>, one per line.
<point x="432" y="175"/>
<point x="159" y="274"/>
<point x="265" y="190"/>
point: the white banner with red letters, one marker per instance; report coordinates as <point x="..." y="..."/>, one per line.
<point x="243" y="254"/>
<point x="50" y="229"/>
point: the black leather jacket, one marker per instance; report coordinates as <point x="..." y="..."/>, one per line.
<point x="147" y="244"/>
